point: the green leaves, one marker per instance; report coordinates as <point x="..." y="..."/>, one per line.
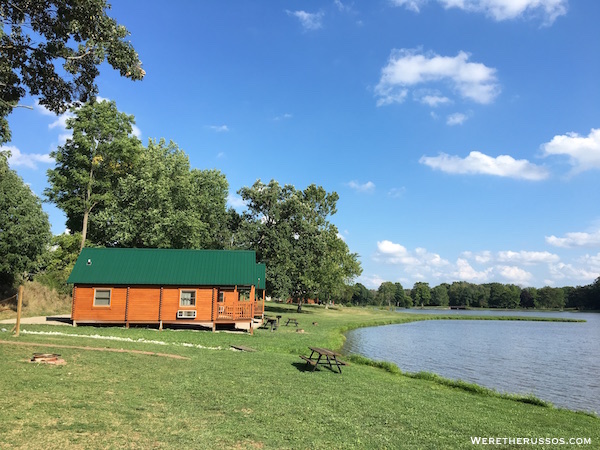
<point x="71" y="37"/>
<point x="290" y="231"/>
<point x="161" y="203"/>
<point x="90" y="164"/>
<point x="24" y="227"/>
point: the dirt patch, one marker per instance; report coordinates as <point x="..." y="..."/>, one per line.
<point x="63" y="319"/>
<point x="99" y="349"/>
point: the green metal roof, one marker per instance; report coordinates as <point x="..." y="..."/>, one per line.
<point x="261" y="275"/>
<point x="150" y="266"/>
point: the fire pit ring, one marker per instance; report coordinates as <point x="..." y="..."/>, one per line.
<point x="47" y="358"/>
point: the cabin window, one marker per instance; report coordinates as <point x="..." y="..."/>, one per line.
<point x="102" y="297"/>
<point x="225" y="293"/>
<point x="187" y="298"/>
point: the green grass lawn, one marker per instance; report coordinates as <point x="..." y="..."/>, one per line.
<point x="221" y="398"/>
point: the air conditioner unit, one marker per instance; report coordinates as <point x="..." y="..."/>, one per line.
<point x="186" y="314"/>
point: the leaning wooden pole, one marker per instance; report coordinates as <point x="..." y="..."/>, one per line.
<point x="19" y="307"/>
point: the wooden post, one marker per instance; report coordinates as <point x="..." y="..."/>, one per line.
<point x="19" y="307"/>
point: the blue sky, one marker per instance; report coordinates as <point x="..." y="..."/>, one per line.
<point x="463" y="136"/>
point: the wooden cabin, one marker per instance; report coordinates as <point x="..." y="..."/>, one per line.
<point x="206" y="288"/>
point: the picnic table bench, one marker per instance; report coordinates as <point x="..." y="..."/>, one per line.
<point x="291" y="320"/>
<point x="271" y="321"/>
<point x="323" y="356"/>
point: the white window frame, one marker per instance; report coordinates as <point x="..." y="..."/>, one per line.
<point x="96" y="290"/>
<point x="194" y="296"/>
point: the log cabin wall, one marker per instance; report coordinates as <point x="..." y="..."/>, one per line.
<point x="171" y="303"/>
<point x="84" y="309"/>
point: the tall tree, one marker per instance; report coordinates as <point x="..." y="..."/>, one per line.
<point x="549" y="297"/>
<point x="528" y="297"/>
<point x="386" y="293"/>
<point x="400" y="296"/>
<point x="504" y="295"/>
<point x="361" y="296"/>
<point x="89" y="165"/>
<point x="439" y="295"/>
<point x="161" y="203"/>
<point x="58" y="262"/>
<point x="291" y="233"/>
<point x="24" y="226"/>
<point x="52" y="48"/>
<point x="421" y="293"/>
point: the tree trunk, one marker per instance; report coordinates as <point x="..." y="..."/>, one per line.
<point x="87" y="203"/>
<point x="84" y="229"/>
<point x="299" y="305"/>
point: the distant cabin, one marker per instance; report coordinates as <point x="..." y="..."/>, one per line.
<point x="205" y="288"/>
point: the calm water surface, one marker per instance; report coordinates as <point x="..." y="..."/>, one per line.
<point x="555" y="361"/>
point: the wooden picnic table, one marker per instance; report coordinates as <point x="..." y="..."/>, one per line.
<point x="270" y="321"/>
<point x="291" y="320"/>
<point x="320" y="355"/>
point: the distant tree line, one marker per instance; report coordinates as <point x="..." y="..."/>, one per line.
<point x="465" y="294"/>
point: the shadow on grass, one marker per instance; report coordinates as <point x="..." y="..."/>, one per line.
<point x="60" y="319"/>
<point x="282" y="309"/>
<point x="302" y="367"/>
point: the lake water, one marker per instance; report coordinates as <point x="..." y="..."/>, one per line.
<point x="555" y="361"/>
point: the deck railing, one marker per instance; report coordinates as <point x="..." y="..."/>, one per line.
<point x="241" y="310"/>
<point x="259" y="308"/>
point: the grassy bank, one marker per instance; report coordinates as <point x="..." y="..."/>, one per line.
<point x="39" y="300"/>
<point x="221" y="398"/>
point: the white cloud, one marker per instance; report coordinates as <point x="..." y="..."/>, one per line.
<point x="135" y="130"/>
<point x="481" y="257"/>
<point x="407" y="68"/>
<point x="464" y="271"/>
<point x="499" y="10"/>
<point x="583" y="151"/>
<point x="520" y="257"/>
<point x="283" y="117"/>
<point x="61" y="121"/>
<point x="412" y="5"/>
<point x="524" y="268"/>
<point x="219" y="128"/>
<point x="309" y="21"/>
<point x="371" y="281"/>
<point x="511" y="274"/>
<point x="434" y="100"/>
<point x="561" y="271"/>
<point x="456" y="119"/>
<point x="392" y="253"/>
<point x="29" y="160"/>
<point x="524" y="257"/>
<point x="514" y="275"/>
<point x="235" y="201"/>
<point x="575" y="239"/>
<point x="396" y="192"/>
<point x="341" y="7"/>
<point x="591" y="261"/>
<point x="369" y="186"/>
<point x="479" y="163"/>
<point x="42" y="109"/>
<point x="512" y="9"/>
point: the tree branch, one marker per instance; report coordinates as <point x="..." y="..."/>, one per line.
<point x="16" y="106"/>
